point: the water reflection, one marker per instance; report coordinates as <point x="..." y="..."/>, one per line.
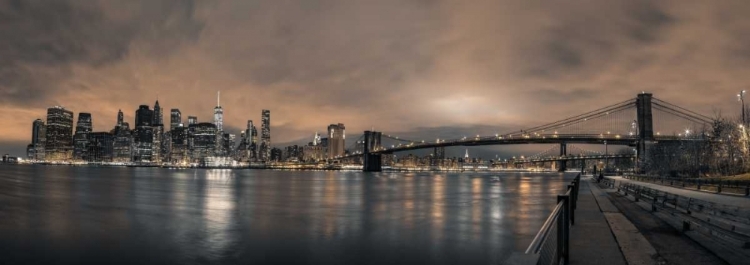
<point x="69" y="215"/>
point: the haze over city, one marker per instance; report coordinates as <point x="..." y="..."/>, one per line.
<point x="421" y="68"/>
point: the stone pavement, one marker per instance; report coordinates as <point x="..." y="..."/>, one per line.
<point x="591" y="240"/>
<point x="725" y="199"/>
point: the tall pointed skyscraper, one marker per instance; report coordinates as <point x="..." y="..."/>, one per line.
<point x="158" y="116"/>
<point x="120" y="117"/>
<point x="218" y="114"/>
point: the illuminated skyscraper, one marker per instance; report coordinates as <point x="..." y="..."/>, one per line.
<point x="38" y="138"/>
<point x="158" y="116"/>
<point x="59" y="140"/>
<point x="81" y="137"/>
<point x="175" y="119"/>
<point x="120" y="118"/>
<point x="143" y="116"/>
<point x="159" y="145"/>
<point x="192" y="120"/>
<point x="219" y="114"/>
<point x="336" y="140"/>
<point x="143" y="135"/>
<point x="265" y="137"/>
<point x="204" y="141"/>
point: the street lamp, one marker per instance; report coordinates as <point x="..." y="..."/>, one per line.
<point x="741" y="98"/>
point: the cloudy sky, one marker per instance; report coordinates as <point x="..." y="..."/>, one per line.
<point x="416" y="67"/>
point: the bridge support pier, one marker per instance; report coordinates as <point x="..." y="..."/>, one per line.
<point x="562" y="165"/>
<point x="372" y="162"/>
<point x="645" y="126"/>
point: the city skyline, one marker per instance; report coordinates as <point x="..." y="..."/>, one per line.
<point x="459" y="71"/>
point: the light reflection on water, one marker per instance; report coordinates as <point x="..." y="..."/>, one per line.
<point x="73" y="215"/>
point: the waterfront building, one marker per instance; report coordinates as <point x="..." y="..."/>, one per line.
<point x="203" y="141"/>
<point x="38" y="139"/>
<point x="275" y="154"/>
<point x="175" y="119"/>
<point x="314" y="151"/>
<point x="228" y="143"/>
<point x="100" y="147"/>
<point x="336" y="140"/>
<point x="81" y="136"/>
<point x="59" y="136"/>
<point x="158" y="134"/>
<point x="293" y="153"/>
<point x="253" y="138"/>
<point x="143" y="144"/>
<point x="123" y="144"/>
<point x="178" y="151"/>
<point x="157" y="143"/>
<point x="265" y="139"/>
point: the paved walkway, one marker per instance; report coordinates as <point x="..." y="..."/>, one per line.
<point x="591" y="240"/>
<point x="700" y="195"/>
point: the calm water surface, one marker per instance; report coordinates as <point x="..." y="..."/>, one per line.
<point x="100" y="215"/>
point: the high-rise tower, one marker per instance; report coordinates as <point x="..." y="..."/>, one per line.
<point x="59" y="140"/>
<point x="120" y="118"/>
<point x="81" y="137"/>
<point x="158" y="116"/>
<point x="218" y="114"/>
<point x="175" y="118"/>
<point x="336" y="138"/>
<point x="143" y="116"/>
<point x="265" y="136"/>
<point x="38" y="138"/>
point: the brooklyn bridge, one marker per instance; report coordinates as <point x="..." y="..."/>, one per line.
<point x="637" y="122"/>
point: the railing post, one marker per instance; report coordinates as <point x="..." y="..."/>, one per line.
<point x="564" y="229"/>
<point x="572" y="203"/>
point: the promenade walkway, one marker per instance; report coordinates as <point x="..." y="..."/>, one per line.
<point x="591" y="240"/>
<point x="725" y="199"/>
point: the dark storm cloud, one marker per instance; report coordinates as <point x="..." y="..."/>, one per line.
<point x="42" y="39"/>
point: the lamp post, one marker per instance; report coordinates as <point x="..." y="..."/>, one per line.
<point x="741" y="98"/>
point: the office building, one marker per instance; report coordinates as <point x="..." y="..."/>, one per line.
<point x="336" y="140"/>
<point x="143" y="144"/>
<point x="143" y="116"/>
<point x="265" y="136"/>
<point x="81" y="136"/>
<point x="100" y="147"/>
<point x="192" y="120"/>
<point x="158" y="116"/>
<point x="38" y="139"/>
<point x="178" y="151"/>
<point x="59" y="137"/>
<point x="175" y="119"/>
<point x="203" y="141"/>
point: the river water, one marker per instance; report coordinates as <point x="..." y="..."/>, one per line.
<point x="109" y="215"/>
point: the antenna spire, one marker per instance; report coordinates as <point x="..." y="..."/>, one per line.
<point x="218" y="96"/>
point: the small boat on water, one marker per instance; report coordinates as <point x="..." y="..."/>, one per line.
<point x="495" y="179"/>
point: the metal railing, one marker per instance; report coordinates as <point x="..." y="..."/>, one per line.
<point x="705" y="184"/>
<point x="730" y="224"/>
<point x="552" y="243"/>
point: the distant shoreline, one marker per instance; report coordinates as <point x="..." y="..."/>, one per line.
<point x="281" y="167"/>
